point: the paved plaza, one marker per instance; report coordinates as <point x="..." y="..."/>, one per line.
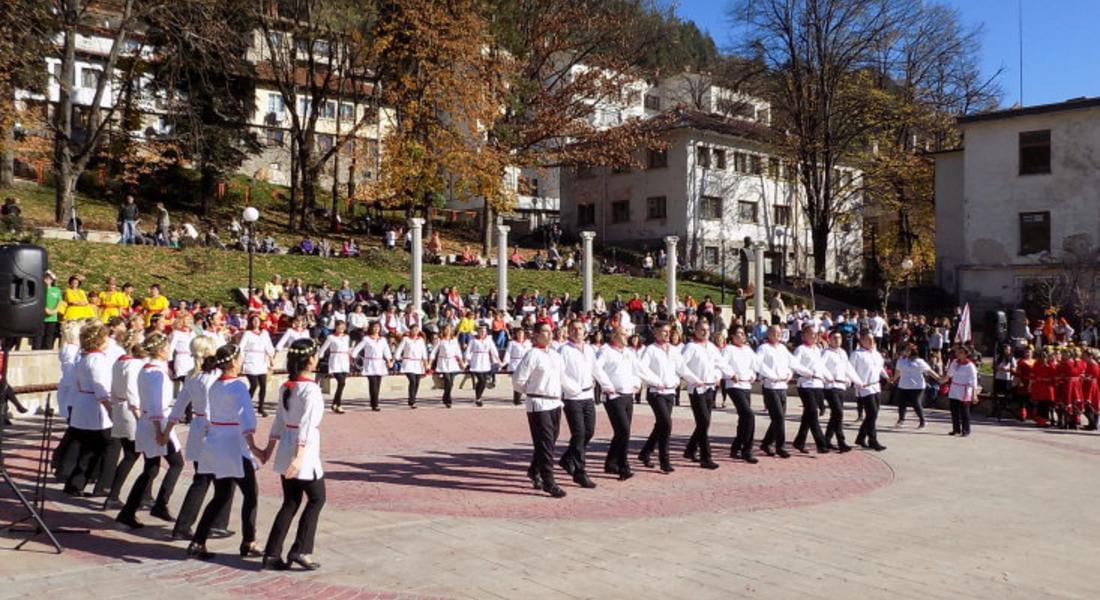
<point x="434" y="503"/>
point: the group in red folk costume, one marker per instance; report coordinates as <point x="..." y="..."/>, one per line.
<point x="1058" y="388"/>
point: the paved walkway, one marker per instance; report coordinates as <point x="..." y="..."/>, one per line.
<point x="434" y="503"/>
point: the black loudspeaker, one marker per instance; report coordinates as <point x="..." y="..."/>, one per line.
<point x="997" y="325"/>
<point x="1017" y="326"/>
<point x="22" y="291"/>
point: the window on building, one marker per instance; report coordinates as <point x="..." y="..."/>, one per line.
<point x="702" y="156"/>
<point x="652" y="102"/>
<point x="773" y="168"/>
<point x="710" y="255"/>
<point x="528" y="186"/>
<point x="657" y="159"/>
<point x="782" y="216"/>
<point x="303" y="107"/>
<point x="620" y="211"/>
<point x="1034" y="232"/>
<point x="756" y="164"/>
<point x="329" y="111"/>
<point x="275" y="105"/>
<point x="740" y="162"/>
<point x="1035" y="152"/>
<point x="586" y="215"/>
<point x="276" y="137"/>
<point x="656" y="207"/>
<point x="710" y="208"/>
<point x="347" y="111"/>
<point x="719" y="159"/>
<point x="747" y="212"/>
<point x="325" y="143"/>
<point x="89" y="78"/>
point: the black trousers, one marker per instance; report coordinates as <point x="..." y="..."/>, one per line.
<point x="581" y="416"/>
<point x="835" y="428"/>
<point x="746" y="422"/>
<point x="46" y="337"/>
<point x="960" y="416"/>
<point x="544" y="426"/>
<point x="414" y="386"/>
<point x="148" y="475"/>
<point x="812" y="400"/>
<point x="87" y="446"/>
<point x="480" y="381"/>
<point x="775" y="401"/>
<point x="662" y="426"/>
<point x="517" y="398"/>
<point x="620" y="410"/>
<point x="906" y="398"/>
<point x="192" y="503"/>
<point x="122" y="470"/>
<point x="448" y="385"/>
<point x="374" y="384"/>
<point x="293" y="490"/>
<point x="64" y="454"/>
<point x="341" y="381"/>
<point x="258" y="382"/>
<point x="868" y="432"/>
<point x="702" y="404"/>
<point x="223" y="495"/>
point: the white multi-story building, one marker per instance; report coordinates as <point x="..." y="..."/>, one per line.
<point x="718" y="186"/>
<point x="1018" y="208"/>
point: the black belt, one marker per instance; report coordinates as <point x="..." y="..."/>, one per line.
<point x="543" y="397"/>
<point x="587" y="389"/>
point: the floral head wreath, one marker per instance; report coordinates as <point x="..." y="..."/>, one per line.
<point x="154" y="342"/>
<point x="309" y="350"/>
<point x="229" y="357"/>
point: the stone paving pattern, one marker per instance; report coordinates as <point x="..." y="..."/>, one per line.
<point x="434" y="503"/>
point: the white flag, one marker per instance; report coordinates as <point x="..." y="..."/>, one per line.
<point x="962" y="336"/>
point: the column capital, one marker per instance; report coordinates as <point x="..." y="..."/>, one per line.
<point x="588" y="235"/>
<point x="672" y="240"/>
<point x="759" y="246"/>
<point x="416" y="222"/>
<point x="503" y="229"/>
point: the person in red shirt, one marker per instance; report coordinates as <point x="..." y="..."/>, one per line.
<point x="1091" y="384"/>
<point x="1022" y="389"/>
<point x="1041" y="387"/>
<point x="1073" y="369"/>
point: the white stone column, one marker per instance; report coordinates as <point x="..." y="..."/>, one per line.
<point x="502" y="267"/>
<point x="586" y="298"/>
<point x="758" y="277"/>
<point x="670" y="273"/>
<point x="416" y="226"/>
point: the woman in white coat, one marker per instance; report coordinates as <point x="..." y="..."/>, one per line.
<point x="228" y="453"/>
<point x="447" y="360"/>
<point x="125" y="410"/>
<point x="296" y="440"/>
<point x="413" y="354"/>
<point x="377" y="360"/>
<point x="151" y="437"/>
<point x="256" y="347"/>
<point x="338" y="347"/>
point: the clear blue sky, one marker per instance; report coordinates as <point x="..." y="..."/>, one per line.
<point x="1061" y="43"/>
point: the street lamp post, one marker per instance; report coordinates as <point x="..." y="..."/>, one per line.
<point x="907" y="267"/>
<point x="250" y="216"/>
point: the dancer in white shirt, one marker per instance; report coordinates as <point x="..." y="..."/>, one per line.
<point x="179" y="345"/>
<point x="338" y="345"/>
<point x="255" y="345"/>
<point x="538" y="376"/>
<point x="701" y="367"/>
<point x="663" y="360"/>
<point x="413" y="354"/>
<point x="125" y="410"/>
<point x="579" y="375"/>
<point x="481" y="359"/>
<point x="296" y="331"/>
<point x="625" y="374"/>
<point x="377" y="360"/>
<point x="741" y="362"/>
<point x="90" y="417"/>
<point x="840" y="375"/>
<point x="774" y="369"/>
<point x="870" y="369"/>
<point x="963" y="375"/>
<point x="518" y="347"/>
<point x="446" y="358"/>
<point x="811" y="384"/>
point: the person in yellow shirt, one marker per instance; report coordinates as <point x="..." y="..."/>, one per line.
<point x="76" y="302"/>
<point x="154" y="304"/>
<point x="466" y="327"/>
<point x="112" y="301"/>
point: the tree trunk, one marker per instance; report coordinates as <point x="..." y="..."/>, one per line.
<point x="292" y="208"/>
<point x="207" y="189"/>
<point x="487" y="230"/>
<point x="820" y="236"/>
<point x="7" y="161"/>
<point x="63" y="154"/>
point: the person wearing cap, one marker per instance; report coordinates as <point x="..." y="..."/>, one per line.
<point x="47" y="335"/>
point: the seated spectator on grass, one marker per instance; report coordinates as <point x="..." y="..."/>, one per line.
<point x="268" y="245"/>
<point x="468" y="257"/>
<point x="538" y="261"/>
<point x="516" y="258"/>
<point x="306" y="246"/>
<point x="349" y="249"/>
<point x="553" y="258"/>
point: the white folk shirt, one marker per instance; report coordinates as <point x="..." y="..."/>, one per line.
<point x="218" y="336"/>
<point x="155" y="391"/>
<point x="839" y="370"/>
<point x="180" y="344"/>
<point x="964" y="381"/>
<point x="870" y="368"/>
<point x="447" y="356"/>
<point x="125" y="400"/>
<point x="701" y="366"/>
<point x="391" y="323"/>
<point x="412" y="352"/>
<point x="376" y="354"/>
<point x="774" y="365"/>
<point x="538" y="376"/>
<point x="68" y="355"/>
<point x="515" y="353"/>
<point x="257" y="350"/>
<point x="664" y="361"/>
<point x="339" y="357"/>
<point x="625" y="372"/>
<point x="481" y="355"/>
<point x="93" y="387"/>
<point x="741" y="364"/>
<point x="297" y="424"/>
<point x="194" y="393"/>
<point x="877" y="326"/>
<point x="580" y="371"/>
<point x="114" y="350"/>
<point x="808" y="365"/>
<point x="290" y="336"/>
<point x="230" y="418"/>
<point x="911" y="373"/>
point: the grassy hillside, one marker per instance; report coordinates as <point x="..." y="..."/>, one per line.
<point x="212" y="275"/>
